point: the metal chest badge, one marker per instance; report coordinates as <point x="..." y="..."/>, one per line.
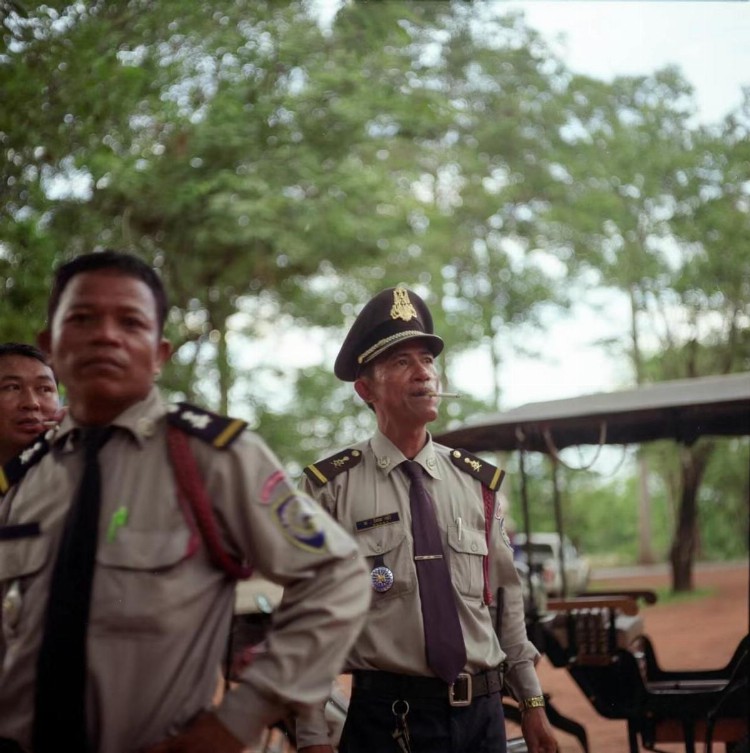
<point x="381" y="578"/>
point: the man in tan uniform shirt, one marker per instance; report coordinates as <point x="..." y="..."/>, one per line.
<point x="398" y="703"/>
<point x="160" y="608"/>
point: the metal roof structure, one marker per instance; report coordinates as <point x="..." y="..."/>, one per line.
<point x="681" y="410"/>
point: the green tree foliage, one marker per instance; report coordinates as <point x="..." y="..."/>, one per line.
<point x="279" y="172"/>
<point x="657" y="210"/>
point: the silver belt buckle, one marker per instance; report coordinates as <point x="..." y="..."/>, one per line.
<point x="459" y="693"/>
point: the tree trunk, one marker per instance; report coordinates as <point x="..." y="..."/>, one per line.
<point x="225" y="371"/>
<point x="645" y="548"/>
<point x="693" y="461"/>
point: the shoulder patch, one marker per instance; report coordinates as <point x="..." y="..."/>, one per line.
<point x="323" y="471"/>
<point x="220" y="431"/>
<point x="15" y="469"/>
<point x="488" y="474"/>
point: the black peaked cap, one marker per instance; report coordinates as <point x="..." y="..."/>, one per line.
<point x="391" y="317"/>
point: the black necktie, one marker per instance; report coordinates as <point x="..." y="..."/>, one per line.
<point x="444" y="640"/>
<point x="60" y="703"/>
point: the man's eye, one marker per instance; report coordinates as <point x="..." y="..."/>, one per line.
<point x="9" y="388"/>
<point x="79" y="317"/>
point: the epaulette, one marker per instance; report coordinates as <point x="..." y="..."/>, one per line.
<point x="220" y="431"/>
<point x="487" y="473"/>
<point x="323" y="471"/>
<point x="15" y="469"/>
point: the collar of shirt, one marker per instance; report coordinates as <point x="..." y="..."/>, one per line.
<point x="388" y="456"/>
<point x="139" y="420"/>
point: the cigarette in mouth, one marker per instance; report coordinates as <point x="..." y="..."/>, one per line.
<point x="444" y="394"/>
<point x="49" y="424"/>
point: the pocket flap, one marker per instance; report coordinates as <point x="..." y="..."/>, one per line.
<point x="467" y="540"/>
<point x="377" y="541"/>
<point x="145" y="550"/>
<point x="19" y="557"/>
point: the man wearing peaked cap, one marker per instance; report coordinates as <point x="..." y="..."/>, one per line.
<point x="394" y="315"/>
<point x="428" y="667"/>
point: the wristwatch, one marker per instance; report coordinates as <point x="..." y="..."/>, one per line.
<point x="535" y="702"/>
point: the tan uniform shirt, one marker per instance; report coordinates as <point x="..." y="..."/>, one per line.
<point x="160" y="611"/>
<point x="371" y="501"/>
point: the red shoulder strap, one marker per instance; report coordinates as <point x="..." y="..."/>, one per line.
<point x="488" y="496"/>
<point x="190" y="487"/>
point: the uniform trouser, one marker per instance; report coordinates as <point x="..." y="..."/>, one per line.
<point x="434" y="725"/>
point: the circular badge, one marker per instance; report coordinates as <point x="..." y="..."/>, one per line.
<point x="382" y="579"/>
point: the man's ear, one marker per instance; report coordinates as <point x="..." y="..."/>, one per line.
<point x="362" y="388"/>
<point x="163" y="351"/>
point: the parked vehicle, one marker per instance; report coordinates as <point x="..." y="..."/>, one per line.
<point x="536" y="595"/>
<point x="545" y="554"/>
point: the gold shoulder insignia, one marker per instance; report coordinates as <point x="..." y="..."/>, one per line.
<point x="15" y="469"/>
<point x="220" y="431"/>
<point x="488" y="474"/>
<point x="323" y="471"/>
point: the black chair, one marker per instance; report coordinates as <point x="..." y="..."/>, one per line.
<point x="599" y="640"/>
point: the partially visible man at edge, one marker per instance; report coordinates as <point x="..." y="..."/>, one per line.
<point x="160" y="609"/>
<point x="28" y="397"/>
<point x="404" y="696"/>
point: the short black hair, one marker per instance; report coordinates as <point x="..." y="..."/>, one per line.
<point x="22" y="349"/>
<point x="118" y="261"/>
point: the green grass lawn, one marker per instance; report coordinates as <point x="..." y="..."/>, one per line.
<point x="664" y="594"/>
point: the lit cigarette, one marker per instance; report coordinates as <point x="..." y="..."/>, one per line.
<point x="444" y="394"/>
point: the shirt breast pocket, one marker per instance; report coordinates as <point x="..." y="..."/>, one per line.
<point x="388" y="546"/>
<point x="468" y="547"/>
<point x="21" y="559"/>
<point x="142" y="581"/>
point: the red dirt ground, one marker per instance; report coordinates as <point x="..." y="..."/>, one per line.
<point x="697" y="633"/>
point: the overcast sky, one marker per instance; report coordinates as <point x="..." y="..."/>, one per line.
<point x="710" y="42"/>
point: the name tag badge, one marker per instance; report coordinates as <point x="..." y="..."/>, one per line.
<point x="381" y="520"/>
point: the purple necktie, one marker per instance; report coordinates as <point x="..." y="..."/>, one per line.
<point x="444" y="640"/>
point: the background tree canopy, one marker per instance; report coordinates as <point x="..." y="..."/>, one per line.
<point x="279" y="172"/>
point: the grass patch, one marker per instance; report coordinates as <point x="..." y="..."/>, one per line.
<point x="664" y="594"/>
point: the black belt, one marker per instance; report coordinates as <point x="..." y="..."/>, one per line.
<point x="460" y="693"/>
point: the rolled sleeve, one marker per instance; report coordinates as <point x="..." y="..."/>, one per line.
<point x="292" y="541"/>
